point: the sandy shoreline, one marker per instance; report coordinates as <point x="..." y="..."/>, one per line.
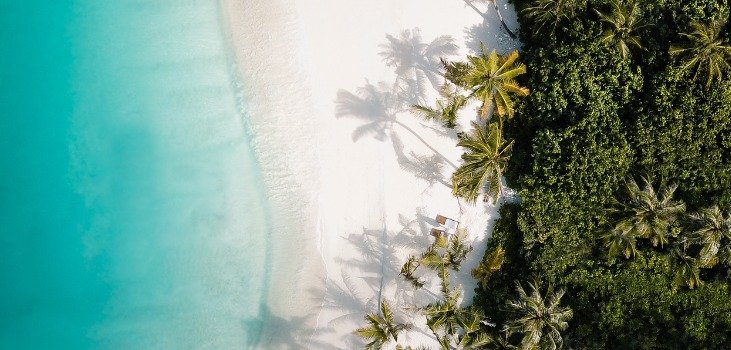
<point x="271" y="75"/>
<point x="355" y="179"/>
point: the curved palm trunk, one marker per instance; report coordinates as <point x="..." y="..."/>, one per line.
<point x="500" y="16"/>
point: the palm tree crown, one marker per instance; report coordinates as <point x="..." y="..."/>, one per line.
<point x="489" y="78"/>
<point x="713" y="234"/>
<point x="688" y="272"/>
<point x="441" y="316"/>
<point x="620" y="243"/>
<point x="491" y="264"/>
<point x="472" y="337"/>
<point x="408" y="271"/>
<point x="550" y="13"/>
<point x="540" y="319"/>
<point x="485" y="162"/>
<point x="705" y="50"/>
<point x="381" y="328"/>
<point x="622" y="22"/>
<point x="446" y="110"/>
<point x="648" y="213"/>
<point x="443" y="253"/>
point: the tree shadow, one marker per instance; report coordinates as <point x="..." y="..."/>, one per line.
<point x="490" y="31"/>
<point x="367" y="275"/>
<point x="429" y="168"/>
<point x="416" y="62"/>
<point x="283" y="332"/>
<point x="374" y="105"/>
<point x="377" y="107"/>
<point x="373" y="274"/>
<point x="350" y="305"/>
<point x="415" y="231"/>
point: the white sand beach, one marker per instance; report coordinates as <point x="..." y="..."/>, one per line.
<point x="355" y="179"/>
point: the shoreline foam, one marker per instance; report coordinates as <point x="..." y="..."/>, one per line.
<point x="258" y="33"/>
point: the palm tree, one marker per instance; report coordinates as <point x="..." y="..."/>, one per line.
<point x="491" y="264"/>
<point x="550" y="13"/>
<point x="540" y="319"/>
<point x="688" y="272"/>
<point x="705" y="50"/>
<point x="490" y="79"/>
<point x="724" y="253"/>
<point x="446" y="110"/>
<point x="715" y="226"/>
<point x="647" y="213"/>
<point x="441" y="316"/>
<point x="415" y="62"/>
<point x="408" y="270"/>
<point x="435" y="258"/>
<point x="381" y="328"/>
<point x="471" y="337"/>
<point x="485" y="163"/>
<point x="457" y="251"/>
<point x="502" y="343"/>
<point x="623" y="21"/>
<point x="620" y="243"/>
<point x="443" y="253"/>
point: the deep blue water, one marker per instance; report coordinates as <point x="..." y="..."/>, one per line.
<point x="132" y="210"/>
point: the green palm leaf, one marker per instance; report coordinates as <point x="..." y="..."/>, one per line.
<point x="490" y="79"/>
<point x="622" y="22"/>
<point x="644" y="213"/>
<point x="550" y="13"/>
<point x="704" y="50"/>
<point x="540" y="320"/>
<point x="446" y="110"/>
<point x="714" y="230"/>
<point x="688" y="272"/>
<point x="408" y="270"/>
<point x="485" y="161"/>
<point x="381" y="328"/>
<point x="492" y="263"/>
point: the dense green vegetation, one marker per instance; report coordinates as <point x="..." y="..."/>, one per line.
<point x="622" y="158"/>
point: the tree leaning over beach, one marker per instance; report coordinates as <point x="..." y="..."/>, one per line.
<point x="485" y="161"/>
<point x="489" y="78"/>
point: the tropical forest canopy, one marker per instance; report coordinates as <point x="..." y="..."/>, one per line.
<point x="622" y="159"/>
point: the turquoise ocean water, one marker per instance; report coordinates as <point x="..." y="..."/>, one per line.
<point x="132" y="210"/>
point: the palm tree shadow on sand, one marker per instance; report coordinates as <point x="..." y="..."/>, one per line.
<point x="365" y="275"/>
<point x="416" y="62"/>
<point x="283" y="332"/>
<point x="378" y="107"/>
<point x="429" y="168"/>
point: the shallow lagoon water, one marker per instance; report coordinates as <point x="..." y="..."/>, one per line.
<point x="132" y="209"/>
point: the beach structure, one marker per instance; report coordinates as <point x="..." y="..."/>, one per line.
<point x="446" y="225"/>
<point x="436" y="232"/>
